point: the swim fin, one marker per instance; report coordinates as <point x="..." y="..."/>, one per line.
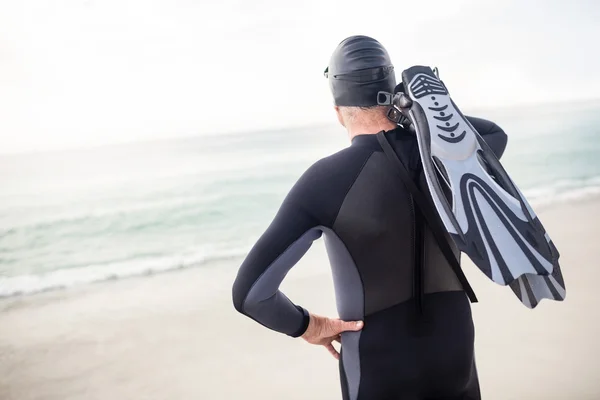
<point x="483" y="210"/>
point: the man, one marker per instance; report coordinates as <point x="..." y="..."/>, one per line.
<point x="406" y="329"/>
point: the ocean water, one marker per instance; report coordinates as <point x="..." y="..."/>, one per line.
<point x="80" y="216"/>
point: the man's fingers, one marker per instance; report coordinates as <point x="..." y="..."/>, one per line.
<point x="350" y="326"/>
<point x="332" y="351"/>
<point x="338" y="339"/>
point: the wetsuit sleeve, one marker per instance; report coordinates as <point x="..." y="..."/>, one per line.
<point x="256" y="291"/>
<point x="493" y="135"/>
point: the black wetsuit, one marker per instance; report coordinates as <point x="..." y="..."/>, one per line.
<point x="383" y="257"/>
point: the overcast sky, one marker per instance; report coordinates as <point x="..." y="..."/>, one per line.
<point x="79" y="73"/>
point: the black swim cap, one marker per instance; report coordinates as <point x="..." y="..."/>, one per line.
<point x="359" y="68"/>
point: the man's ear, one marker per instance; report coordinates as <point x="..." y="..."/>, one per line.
<point x="340" y="117"/>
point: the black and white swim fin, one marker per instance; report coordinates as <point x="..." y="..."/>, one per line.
<point x="485" y="213"/>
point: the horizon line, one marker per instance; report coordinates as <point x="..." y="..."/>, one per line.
<point x="333" y="123"/>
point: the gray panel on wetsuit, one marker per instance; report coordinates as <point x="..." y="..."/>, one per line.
<point x="350" y="304"/>
<point x="264" y="296"/>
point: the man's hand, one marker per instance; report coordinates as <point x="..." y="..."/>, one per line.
<point x="323" y="331"/>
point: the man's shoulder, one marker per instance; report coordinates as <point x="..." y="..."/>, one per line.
<point x="325" y="183"/>
<point x="343" y="162"/>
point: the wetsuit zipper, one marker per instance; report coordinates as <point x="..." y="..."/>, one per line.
<point x="417" y="247"/>
<point x="418" y="258"/>
<point x="419" y="251"/>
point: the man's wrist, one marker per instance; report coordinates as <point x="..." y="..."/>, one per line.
<point x="305" y="322"/>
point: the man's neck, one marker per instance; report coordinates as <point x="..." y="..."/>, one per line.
<point x="370" y="129"/>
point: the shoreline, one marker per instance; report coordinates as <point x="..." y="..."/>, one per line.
<point x="582" y="196"/>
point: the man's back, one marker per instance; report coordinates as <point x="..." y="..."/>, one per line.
<point x="388" y="271"/>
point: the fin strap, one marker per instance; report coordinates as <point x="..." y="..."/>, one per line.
<point x="431" y="217"/>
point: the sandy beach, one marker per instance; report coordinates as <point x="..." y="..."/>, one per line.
<point x="177" y="336"/>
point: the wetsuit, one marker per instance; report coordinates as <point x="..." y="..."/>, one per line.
<point x="383" y="258"/>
